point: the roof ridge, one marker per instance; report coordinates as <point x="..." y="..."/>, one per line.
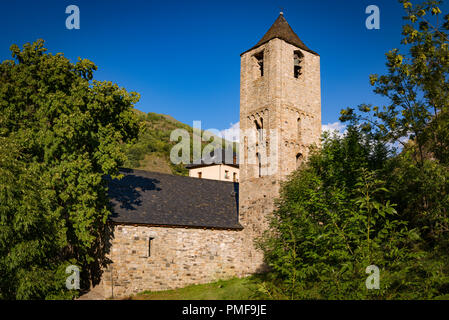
<point x="282" y="30"/>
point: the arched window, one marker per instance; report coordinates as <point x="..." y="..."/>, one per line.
<point x="259" y="128"/>
<point x="259" y="62"/>
<point x="297" y="63"/>
<point x="298" y="160"/>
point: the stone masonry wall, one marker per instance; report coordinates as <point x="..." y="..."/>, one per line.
<point x="289" y="106"/>
<point x="178" y="257"/>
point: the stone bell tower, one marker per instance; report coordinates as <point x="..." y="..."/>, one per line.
<point x="280" y="118"/>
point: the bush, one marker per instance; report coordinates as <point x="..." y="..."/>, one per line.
<point x="335" y="218"/>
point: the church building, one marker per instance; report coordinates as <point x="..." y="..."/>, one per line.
<point x="172" y="231"/>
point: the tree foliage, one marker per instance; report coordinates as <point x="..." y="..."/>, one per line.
<point x="361" y="200"/>
<point x="335" y="217"/>
<point x="60" y="133"/>
<point x="417" y="86"/>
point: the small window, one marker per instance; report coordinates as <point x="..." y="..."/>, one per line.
<point x="298" y="160"/>
<point x="259" y="128"/>
<point x="259" y="164"/>
<point x="297" y="63"/>
<point x="149" y="246"/>
<point x="226" y="174"/>
<point x="298" y="127"/>
<point x="259" y="61"/>
<point x="200" y="175"/>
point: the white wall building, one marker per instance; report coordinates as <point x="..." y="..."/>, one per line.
<point x="217" y="168"/>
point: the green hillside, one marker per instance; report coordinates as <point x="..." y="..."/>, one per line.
<point x="151" y="151"/>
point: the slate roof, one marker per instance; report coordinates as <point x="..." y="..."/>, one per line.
<point x="282" y="30"/>
<point x="158" y="199"/>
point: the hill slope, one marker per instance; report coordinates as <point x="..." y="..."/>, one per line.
<point x="151" y="151"/>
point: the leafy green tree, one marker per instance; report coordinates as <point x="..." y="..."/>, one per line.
<point x="417" y="116"/>
<point x="422" y="195"/>
<point x="417" y="85"/>
<point x="61" y="132"/>
<point x="332" y="221"/>
<point x="334" y="218"/>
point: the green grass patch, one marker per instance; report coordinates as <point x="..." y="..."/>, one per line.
<point x="248" y="288"/>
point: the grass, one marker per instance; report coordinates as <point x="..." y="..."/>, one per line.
<point x="155" y="162"/>
<point x="233" y="289"/>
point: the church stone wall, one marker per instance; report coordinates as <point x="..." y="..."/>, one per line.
<point x="178" y="257"/>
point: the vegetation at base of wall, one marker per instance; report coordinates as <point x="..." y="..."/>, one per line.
<point x="151" y="151"/>
<point x="249" y="288"/>
<point x="360" y="201"/>
<point x="61" y="132"/>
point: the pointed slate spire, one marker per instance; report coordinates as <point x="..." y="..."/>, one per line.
<point x="282" y="30"/>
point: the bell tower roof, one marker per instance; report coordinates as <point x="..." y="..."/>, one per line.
<point x="282" y="30"/>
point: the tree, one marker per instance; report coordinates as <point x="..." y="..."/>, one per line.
<point x="358" y="202"/>
<point x="417" y="116"/>
<point x="333" y="220"/>
<point x="60" y="133"/>
<point x="417" y="85"/>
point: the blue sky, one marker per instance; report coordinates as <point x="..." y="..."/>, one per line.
<point x="183" y="57"/>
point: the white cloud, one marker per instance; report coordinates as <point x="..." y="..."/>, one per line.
<point x="232" y="133"/>
<point x="337" y="126"/>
